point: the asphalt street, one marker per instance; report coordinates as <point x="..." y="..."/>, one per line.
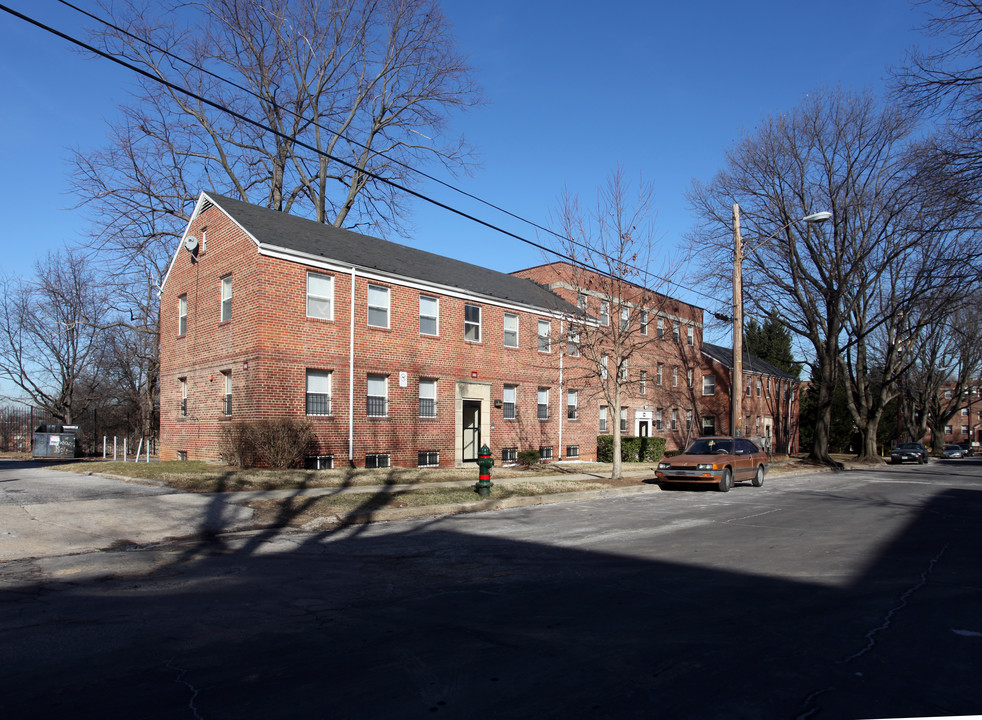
<point x="845" y="595"/>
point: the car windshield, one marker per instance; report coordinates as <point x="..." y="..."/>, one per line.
<point x="908" y="446"/>
<point x="709" y="446"/>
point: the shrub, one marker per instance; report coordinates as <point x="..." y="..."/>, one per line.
<point x="280" y="443"/>
<point x="633" y="449"/>
<point x="528" y="458"/>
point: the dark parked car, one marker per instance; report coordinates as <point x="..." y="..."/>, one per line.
<point x="909" y="452"/>
<point x="719" y="460"/>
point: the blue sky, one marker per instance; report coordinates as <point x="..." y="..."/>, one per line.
<point x="575" y="89"/>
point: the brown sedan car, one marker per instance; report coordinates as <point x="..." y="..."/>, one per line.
<point x="717" y="460"/>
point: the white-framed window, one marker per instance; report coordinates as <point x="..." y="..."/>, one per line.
<point x="965" y="412"/>
<point x="572" y="451"/>
<point x="625" y="319"/>
<point x="377" y="460"/>
<point x="604" y="313"/>
<point x="378" y="306"/>
<point x="182" y="314"/>
<point x="758" y="387"/>
<point x="623" y="419"/>
<point x="573" y="346"/>
<point x="750" y="386"/>
<point x="659" y="372"/>
<point x="603" y="367"/>
<point x="472" y="323"/>
<point x="643" y="382"/>
<point x="675" y="332"/>
<point x="964" y="429"/>
<point x="675" y="419"/>
<point x="947" y="394"/>
<point x="318" y="392"/>
<point x="690" y="335"/>
<point x="709" y="384"/>
<point x="429" y="315"/>
<point x="660" y="328"/>
<point x="659" y="422"/>
<point x="427" y="398"/>
<point x="688" y="377"/>
<point x="378" y="395"/>
<point x="511" y="330"/>
<point x="226" y="298"/>
<point x="545" y="336"/>
<point x="508" y="400"/>
<point x="320" y="296"/>
<point x="947" y="430"/>
<point x="318" y="462"/>
<point x="675" y="376"/>
<point x="204" y="240"/>
<point x="545" y="452"/>
<point x="509" y="455"/>
<point x="643" y="322"/>
<point x="767" y="389"/>
<point x="708" y="425"/>
<point x="603" y="418"/>
<point x="184" y="396"/>
<point x="572" y="399"/>
<point x="622" y="372"/>
<point x="227" y="397"/>
<point x="688" y="419"/>
<point x="428" y="458"/>
<point x="543" y="404"/>
<point x="581" y="302"/>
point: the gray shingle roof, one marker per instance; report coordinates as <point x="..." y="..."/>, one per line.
<point x="751" y="363"/>
<point x="297" y="234"/>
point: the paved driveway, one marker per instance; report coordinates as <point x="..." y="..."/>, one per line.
<point x="46" y="512"/>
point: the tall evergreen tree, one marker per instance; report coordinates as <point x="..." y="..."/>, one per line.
<point x="771" y="342"/>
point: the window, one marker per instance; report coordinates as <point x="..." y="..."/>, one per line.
<point x="688" y="419"/>
<point x="377" y="460"/>
<point x="758" y="387"/>
<point x="964" y="429"/>
<point x="658" y="419"/>
<point x="227" y="400"/>
<point x="429" y="315"/>
<point x="472" y="323"/>
<point x="643" y="322"/>
<point x="603" y="367"/>
<point x="675" y="332"/>
<point x="320" y="296"/>
<point x="947" y="394"/>
<point x="427" y="398"/>
<point x="543" y="405"/>
<point x="184" y="396"/>
<point x="675" y="376"/>
<point x="690" y="335"/>
<point x="508" y="401"/>
<point x="603" y="418"/>
<point x="509" y="454"/>
<point x="573" y="348"/>
<point x="947" y="429"/>
<point x="625" y="319"/>
<point x="318" y="462"/>
<point x="378" y="306"/>
<point x="581" y="301"/>
<point x="658" y="374"/>
<point x="572" y="396"/>
<point x="709" y="425"/>
<point x="622" y="372"/>
<point x="688" y="377"/>
<point x="675" y="419"/>
<point x="204" y="240"/>
<point x="318" y="392"/>
<point x="545" y="453"/>
<point x="709" y="384"/>
<point x="750" y="385"/>
<point x="623" y="419"/>
<point x="660" y="328"/>
<point x="545" y="333"/>
<point x="226" y="298"/>
<point x="572" y="451"/>
<point x="642" y="382"/>
<point x="965" y="412"/>
<point x="182" y="315"/>
<point x="511" y="330"/>
<point x="378" y="394"/>
<point x="604" y="313"/>
<point x="428" y="458"/>
<point x="182" y="455"/>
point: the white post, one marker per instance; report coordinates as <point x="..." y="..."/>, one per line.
<point x="148" y="451"/>
<point x="114" y="448"/>
<point x="103" y="447"/>
<point x="124" y="448"/>
<point x="138" y="449"/>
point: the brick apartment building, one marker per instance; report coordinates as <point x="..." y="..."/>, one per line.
<point x="402" y="357"/>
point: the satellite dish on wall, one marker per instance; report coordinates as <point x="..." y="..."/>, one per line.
<point x="191" y="244"/>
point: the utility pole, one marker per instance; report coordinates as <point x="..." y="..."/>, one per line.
<point x="736" y="389"/>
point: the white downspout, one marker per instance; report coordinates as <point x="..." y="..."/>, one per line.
<point x="562" y="414"/>
<point x="351" y="375"/>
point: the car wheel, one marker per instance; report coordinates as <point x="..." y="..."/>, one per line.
<point x="759" y="477"/>
<point x="923" y="460"/>
<point x="894" y="461"/>
<point x="726" y="482"/>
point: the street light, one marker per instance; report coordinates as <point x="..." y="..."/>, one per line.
<point x="736" y="395"/>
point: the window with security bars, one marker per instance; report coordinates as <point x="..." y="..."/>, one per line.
<point x="318" y="392"/>
<point x="377" y="396"/>
<point x="509" y="455"/>
<point x="508" y="401"/>
<point x="572" y="451"/>
<point x="427" y="398"/>
<point x="545" y="453"/>
<point x="377" y="460"/>
<point x="428" y="458"/>
<point x="318" y="462"/>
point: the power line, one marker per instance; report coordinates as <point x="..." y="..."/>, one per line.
<point x="222" y="108"/>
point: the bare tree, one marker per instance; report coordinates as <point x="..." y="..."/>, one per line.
<point x="837" y="285"/>
<point x="50" y="344"/>
<point x="610" y="280"/>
